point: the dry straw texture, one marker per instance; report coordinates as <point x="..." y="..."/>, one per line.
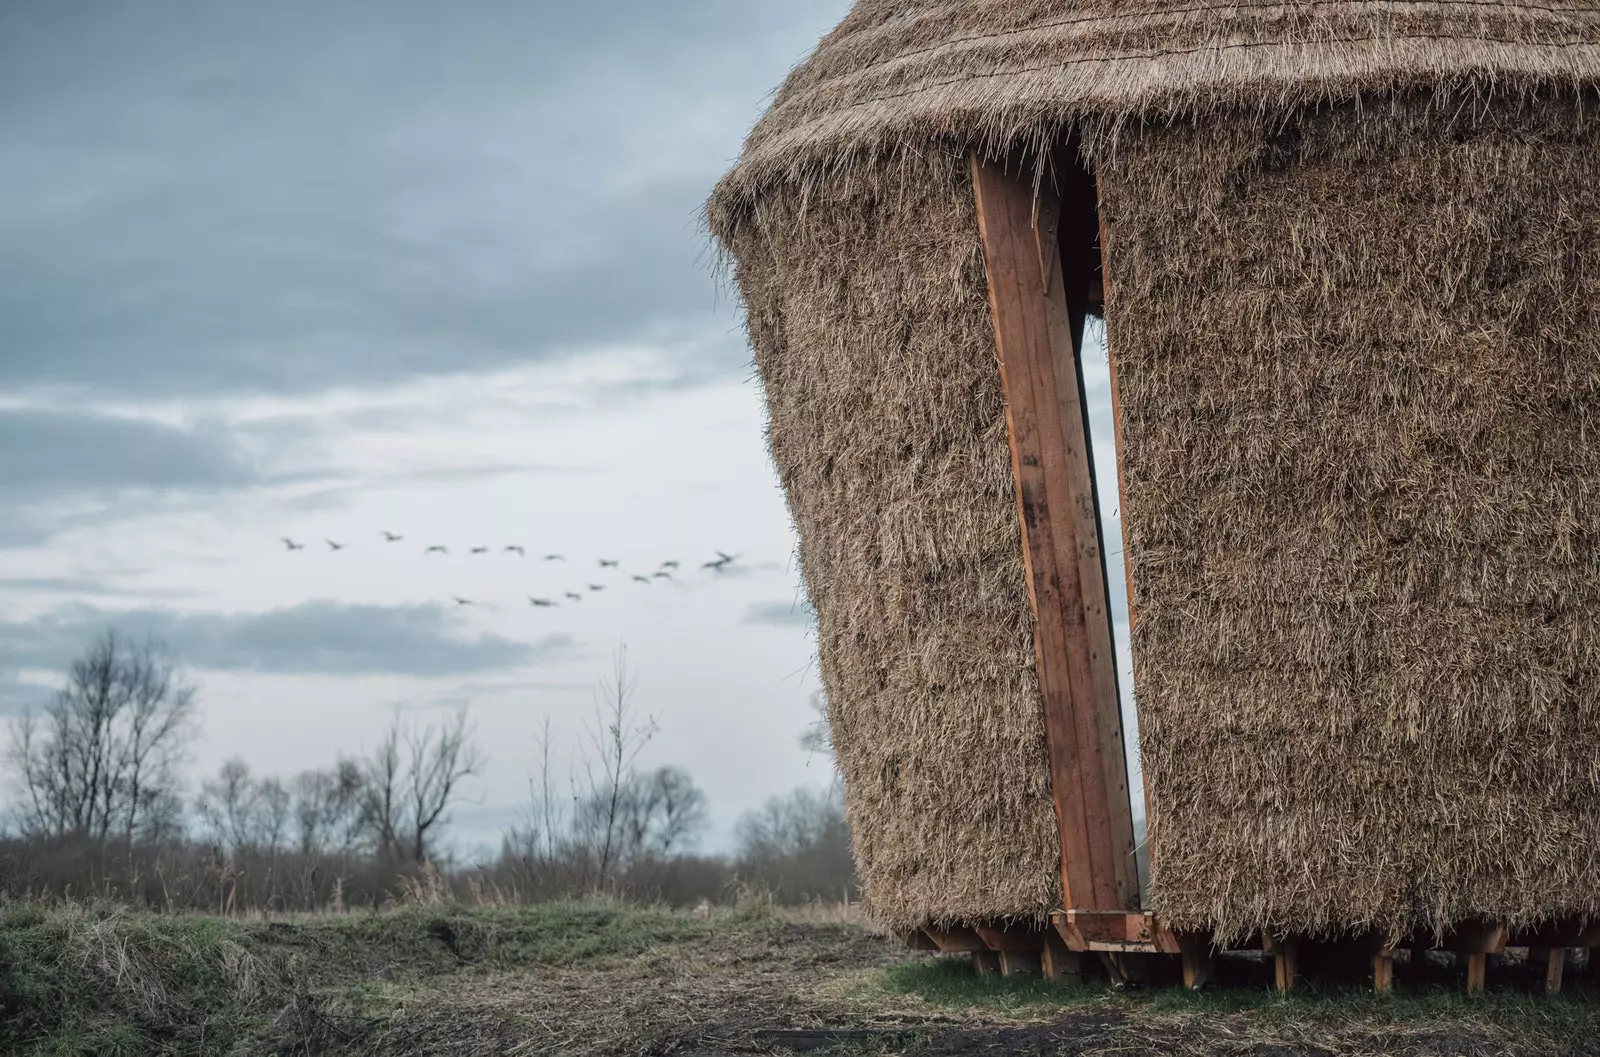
<point x="897" y="73"/>
<point x="1359" y="359"/>
<point x="1355" y="302"/>
<point x="870" y="323"/>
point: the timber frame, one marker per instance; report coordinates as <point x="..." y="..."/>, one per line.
<point x="1039" y="305"/>
<point x="1042" y="245"/>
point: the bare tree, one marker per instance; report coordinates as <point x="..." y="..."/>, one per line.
<point x="381" y="792"/>
<point x="227" y="804"/>
<point x="663" y="812"/>
<point x="441" y="758"/>
<point x="412" y="779"/>
<point x="616" y="735"/>
<point x="104" y="754"/>
<point x="540" y="839"/>
<point x="328" y="808"/>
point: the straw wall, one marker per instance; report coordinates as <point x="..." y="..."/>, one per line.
<point x="1359" y="358"/>
<point x="868" y="313"/>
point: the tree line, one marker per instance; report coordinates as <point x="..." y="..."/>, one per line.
<point x="100" y="810"/>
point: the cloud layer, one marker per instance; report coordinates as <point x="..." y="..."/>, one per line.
<point x="321" y="637"/>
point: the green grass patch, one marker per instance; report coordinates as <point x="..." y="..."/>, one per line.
<point x="86" y="980"/>
<point x="951" y="983"/>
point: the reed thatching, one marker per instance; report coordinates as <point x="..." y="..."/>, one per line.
<point x="1355" y="306"/>
<point x="899" y="73"/>
<point x="1359" y="360"/>
<point x="870" y="323"/>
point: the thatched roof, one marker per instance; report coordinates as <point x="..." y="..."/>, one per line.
<point x="899" y="72"/>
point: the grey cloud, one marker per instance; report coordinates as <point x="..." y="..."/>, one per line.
<point x="298" y="195"/>
<point x="796" y="614"/>
<point x="65" y="451"/>
<point x="322" y="637"/>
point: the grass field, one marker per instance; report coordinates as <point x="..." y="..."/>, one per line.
<point x="597" y="979"/>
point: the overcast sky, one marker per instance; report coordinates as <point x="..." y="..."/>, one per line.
<point x="324" y="269"/>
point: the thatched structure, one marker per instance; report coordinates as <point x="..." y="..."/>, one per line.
<point x="1353" y="296"/>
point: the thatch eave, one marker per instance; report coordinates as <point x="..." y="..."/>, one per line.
<point x="872" y="93"/>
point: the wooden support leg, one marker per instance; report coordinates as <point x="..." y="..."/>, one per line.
<point x="985" y="963"/>
<point x="1019" y="963"/>
<point x="1477" y="972"/>
<point x="1552" y="963"/>
<point x="1059" y="963"/>
<point x="1286" y="962"/>
<point x="1383" y="971"/>
<point x="1199" y="964"/>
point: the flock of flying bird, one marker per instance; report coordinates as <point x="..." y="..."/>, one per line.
<point x="665" y="571"/>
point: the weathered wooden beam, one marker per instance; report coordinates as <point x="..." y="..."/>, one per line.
<point x="1285" y="961"/>
<point x="1057" y="962"/>
<point x="1062" y="551"/>
<point x="1019" y="963"/>
<point x="1383" y="971"/>
<point x="1477" y="971"/>
<point x="956" y="940"/>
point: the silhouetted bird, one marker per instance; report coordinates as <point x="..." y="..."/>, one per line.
<point x="290" y="544"/>
<point x="608" y="563"/>
<point x="669" y="565"/>
<point x="436" y="549"/>
<point x="542" y="603"/>
<point x="480" y="550"/>
<point x="554" y="558"/>
<point x="662" y="574"/>
<point x="597" y="587"/>
<point x="390" y="537"/>
<point x="462" y="601"/>
<point x="575" y="597"/>
<point x="514" y="549"/>
<point x="332" y="546"/>
<point x="642" y="579"/>
<point x="722" y="562"/>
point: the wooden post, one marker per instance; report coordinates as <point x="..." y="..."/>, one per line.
<point x="1020" y="963"/>
<point x="985" y="963"/>
<point x="1199" y="963"/>
<point x="1285" y="962"/>
<point x="1061" y="539"/>
<point x="1551" y="962"/>
<point x="1059" y="963"/>
<point x="1477" y="971"/>
<point x="1383" y="971"/>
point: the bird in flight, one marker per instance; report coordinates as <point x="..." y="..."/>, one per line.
<point x="290" y="544"/>
<point x="332" y="546"/>
<point x="597" y="587"/>
<point x="462" y="601"/>
<point x="661" y="574"/>
<point x="722" y="562"/>
<point x="542" y="603"/>
<point x="554" y="558"/>
<point x="390" y="537"/>
<point x="437" y="549"/>
<point x="575" y="597"/>
<point x="515" y="549"/>
<point x="641" y="579"/>
<point x="480" y="550"/>
<point x="669" y="565"/>
<point x="608" y="563"/>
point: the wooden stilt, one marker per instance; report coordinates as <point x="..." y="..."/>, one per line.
<point x="1199" y="963"/>
<point x="1477" y="972"/>
<point x="1059" y="963"/>
<point x="1383" y="971"/>
<point x="1019" y="963"/>
<point x="1552" y="963"/>
<point x="1285" y="962"/>
<point x="985" y="963"/>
